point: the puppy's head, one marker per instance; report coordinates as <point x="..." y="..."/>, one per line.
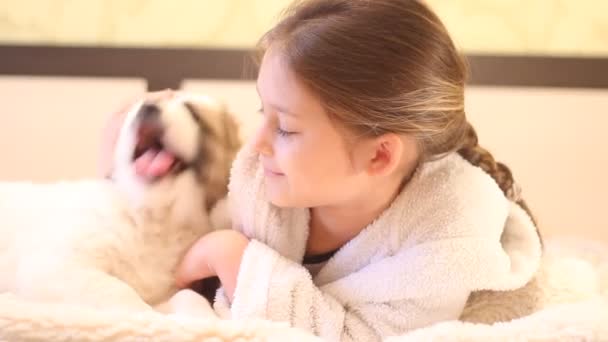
<point x="184" y="144"/>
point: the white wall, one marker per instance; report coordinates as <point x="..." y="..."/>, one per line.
<point x="555" y="142"/>
<point x="50" y="128"/>
<point x="553" y="139"/>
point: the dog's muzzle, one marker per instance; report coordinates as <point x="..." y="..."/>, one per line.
<point x="151" y="157"/>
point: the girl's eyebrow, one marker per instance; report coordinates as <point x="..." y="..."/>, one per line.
<point x="279" y="108"/>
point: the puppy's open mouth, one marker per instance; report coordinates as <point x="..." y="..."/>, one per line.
<point x="151" y="158"/>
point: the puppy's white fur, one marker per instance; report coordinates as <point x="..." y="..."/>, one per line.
<point x="115" y="243"/>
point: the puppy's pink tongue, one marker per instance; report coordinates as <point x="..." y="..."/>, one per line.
<point x="154" y="164"/>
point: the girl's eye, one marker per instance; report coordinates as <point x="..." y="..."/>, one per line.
<point x="284" y="133"/>
<point x="280" y="132"/>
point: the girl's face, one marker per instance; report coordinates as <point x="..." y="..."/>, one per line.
<point x="305" y="157"/>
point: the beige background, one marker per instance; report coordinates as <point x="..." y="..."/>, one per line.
<point x="553" y="139"/>
<point x="565" y="27"/>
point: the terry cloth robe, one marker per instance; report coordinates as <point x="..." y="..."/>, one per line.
<point x="450" y="232"/>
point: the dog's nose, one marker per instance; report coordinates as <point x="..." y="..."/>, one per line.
<point x="149" y="112"/>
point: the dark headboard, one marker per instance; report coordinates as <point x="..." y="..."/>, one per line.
<point x="166" y="68"/>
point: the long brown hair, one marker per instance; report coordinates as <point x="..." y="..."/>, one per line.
<point x="383" y="66"/>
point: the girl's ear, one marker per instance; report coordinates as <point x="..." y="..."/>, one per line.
<point x="386" y="154"/>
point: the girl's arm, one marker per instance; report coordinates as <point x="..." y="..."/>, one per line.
<point x="386" y="298"/>
<point x="218" y="253"/>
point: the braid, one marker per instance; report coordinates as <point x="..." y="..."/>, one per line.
<point x="479" y="156"/>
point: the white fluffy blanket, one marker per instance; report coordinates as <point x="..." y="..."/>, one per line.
<point x="575" y="300"/>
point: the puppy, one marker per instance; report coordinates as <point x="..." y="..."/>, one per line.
<point x="115" y="243"/>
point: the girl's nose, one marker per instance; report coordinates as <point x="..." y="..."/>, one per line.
<point x="262" y="141"/>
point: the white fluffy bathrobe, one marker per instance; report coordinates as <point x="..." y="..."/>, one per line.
<point x="450" y="232"/>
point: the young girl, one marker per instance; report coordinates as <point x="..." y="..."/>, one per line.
<point x="364" y="207"/>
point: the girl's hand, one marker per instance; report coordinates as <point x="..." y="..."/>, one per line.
<point x="218" y="253"/>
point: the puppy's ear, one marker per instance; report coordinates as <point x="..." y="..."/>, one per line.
<point x="224" y="151"/>
<point x="196" y="114"/>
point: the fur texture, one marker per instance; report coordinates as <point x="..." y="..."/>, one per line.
<point x="580" y="320"/>
<point x="113" y="244"/>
